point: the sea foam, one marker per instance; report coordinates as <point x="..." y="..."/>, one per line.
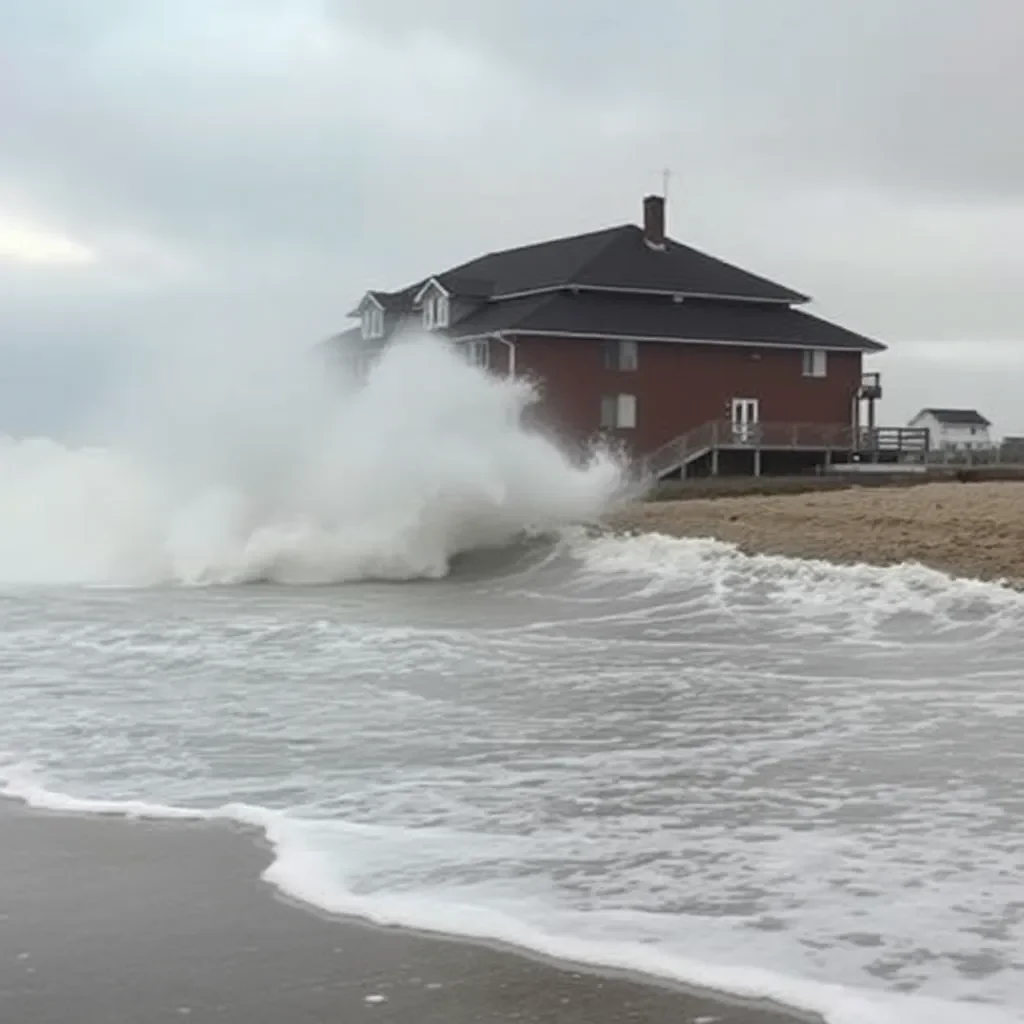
<point x="225" y="472"/>
<point x="309" y="866"/>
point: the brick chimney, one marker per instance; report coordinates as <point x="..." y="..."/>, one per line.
<point x="654" y="221"/>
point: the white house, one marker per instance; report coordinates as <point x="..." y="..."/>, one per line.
<point x="957" y="429"/>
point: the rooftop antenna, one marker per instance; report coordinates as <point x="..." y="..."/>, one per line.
<point x="666" y="177"/>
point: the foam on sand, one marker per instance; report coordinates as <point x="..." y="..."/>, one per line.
<point x="310" y="866"/>
<point x="972" y="530"/>
<point x="680" y="562"/>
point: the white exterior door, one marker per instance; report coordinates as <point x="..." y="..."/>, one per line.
<point x="745" y="416"/>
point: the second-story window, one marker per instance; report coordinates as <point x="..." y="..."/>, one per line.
<point x="621" y="355"/>
<point x="815" y="362"/>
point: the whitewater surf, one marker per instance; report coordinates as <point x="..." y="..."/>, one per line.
<point x="284" y="471"/>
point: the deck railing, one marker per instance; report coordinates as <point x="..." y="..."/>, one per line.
<point x="894" y="439"/>
<point x="808" y="437"/>
<point x="993" y="455"/>
<point x="796" y="436"/>
<point x="870" y="385"/>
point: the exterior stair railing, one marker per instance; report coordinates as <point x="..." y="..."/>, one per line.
<point x="680" y="450"/>
<point x="721" y="434"/>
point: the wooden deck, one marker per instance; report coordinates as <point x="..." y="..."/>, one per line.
<point x="721" y="446"/>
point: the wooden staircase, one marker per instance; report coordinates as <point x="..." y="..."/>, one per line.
<point x="680" y="452"/>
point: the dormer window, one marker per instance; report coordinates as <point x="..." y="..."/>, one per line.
<point x="373" y="321"/>
<point x="435" y="311"/>
<point x="433" y="299"/>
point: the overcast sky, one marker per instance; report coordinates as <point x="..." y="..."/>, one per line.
<point x="176" y="170"/>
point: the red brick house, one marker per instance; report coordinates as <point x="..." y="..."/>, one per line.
<point x="636" y="335"/>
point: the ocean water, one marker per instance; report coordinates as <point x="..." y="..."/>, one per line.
<point x="450" y="707"/>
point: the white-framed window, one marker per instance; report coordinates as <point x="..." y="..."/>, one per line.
<point x="478" y="353"/>
<point x="618" y="412"/>
<point x="373" y="322"/>
<point x="621" y="355"/>
<point x="815" y="362"/>
<point x="435" y="311"/>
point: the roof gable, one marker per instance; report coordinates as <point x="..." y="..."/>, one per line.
<point x="393" y="303"/>
<point x="368" y="299"/>
<point x="432" y="284"/>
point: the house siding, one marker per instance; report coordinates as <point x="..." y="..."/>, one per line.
<point x="680" y="386"/>
<point x="953" y="435"/>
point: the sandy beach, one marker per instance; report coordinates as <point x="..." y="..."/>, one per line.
<point x="966" y="529"/>
<point x="106" y="921"/>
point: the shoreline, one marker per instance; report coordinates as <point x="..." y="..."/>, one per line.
<point x="117" y="921"/>
<point x="968" y="530"/>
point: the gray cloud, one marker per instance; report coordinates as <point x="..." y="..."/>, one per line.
<point x="248" y="166"/>
<point x="892" y="91"/>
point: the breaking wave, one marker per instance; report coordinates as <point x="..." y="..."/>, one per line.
<point x="278" y="471"/>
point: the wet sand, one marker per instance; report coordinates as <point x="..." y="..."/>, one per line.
<point x="105" y="921"/>
<point x="966" y="529"/>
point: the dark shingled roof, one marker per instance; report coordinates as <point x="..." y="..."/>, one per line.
<point x="391" y="302"/>
<point x="957" y="417"/>
<point x="615" y="257"/>
<point x="604" y="313"/>
<point x="612" y="282"/>
<point x="394" y="300"/>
